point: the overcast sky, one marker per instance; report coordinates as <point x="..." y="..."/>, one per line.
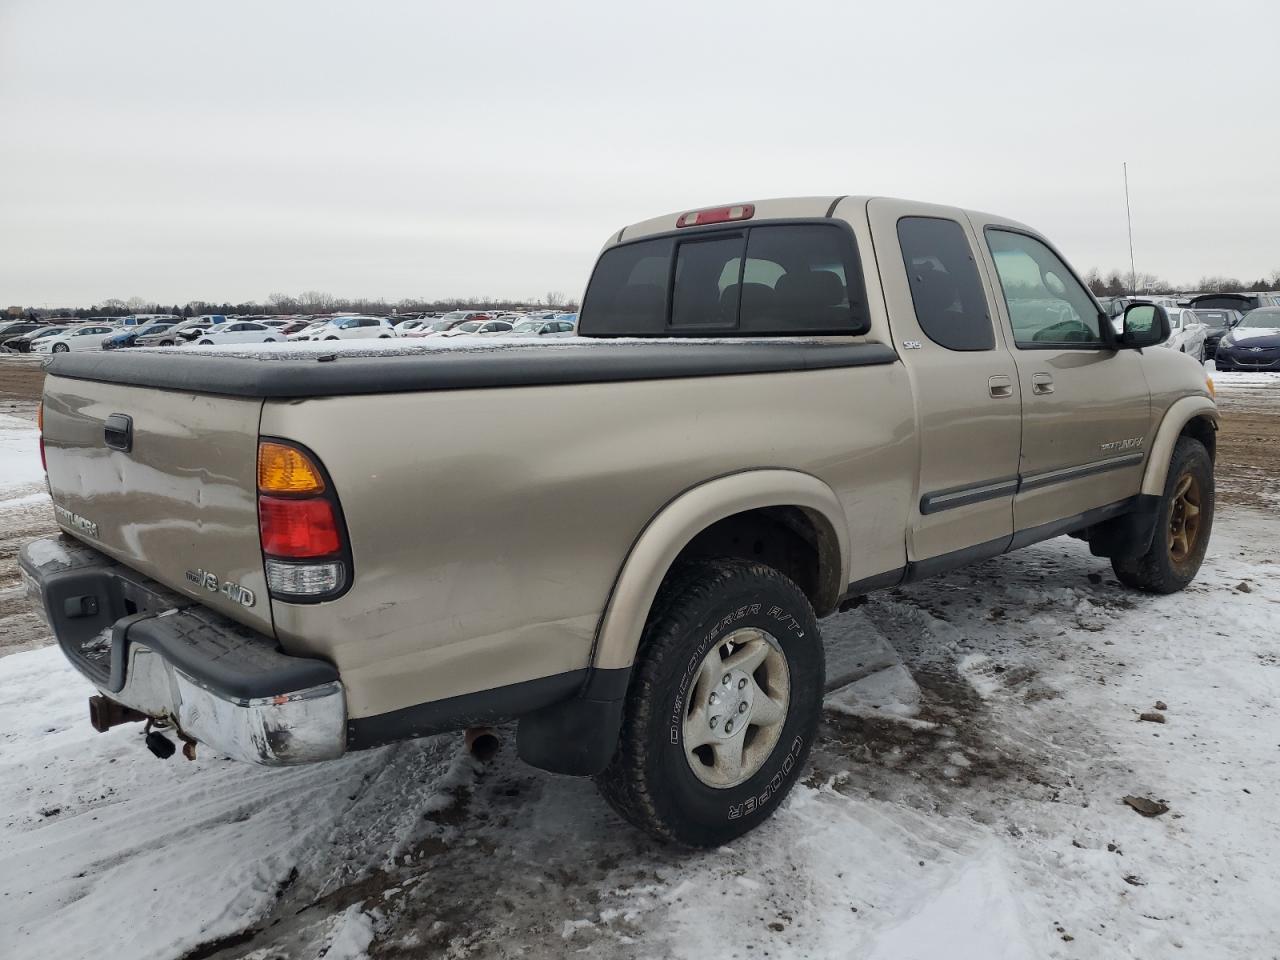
<point x="223" y="151"/>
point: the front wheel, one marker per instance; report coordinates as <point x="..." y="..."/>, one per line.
<point x="60" y="348"/>
<point x="331" y="338"/>
<point x="206" y="343"/>
<point x="1184" y="520"/>
<point x="723" y="706"/>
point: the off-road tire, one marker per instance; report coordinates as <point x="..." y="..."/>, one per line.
<point x="1158" y="570"/>
<point x="649" y="780"/>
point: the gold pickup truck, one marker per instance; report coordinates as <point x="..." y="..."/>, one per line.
<point x="623" y="540"/>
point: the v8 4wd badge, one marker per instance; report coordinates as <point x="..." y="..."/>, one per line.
<point x="228" y="588"/>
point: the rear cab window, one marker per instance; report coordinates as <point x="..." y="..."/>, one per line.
<point x="766" y="279"/>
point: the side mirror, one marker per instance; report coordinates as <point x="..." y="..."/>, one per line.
<point x="1144" y="325"/>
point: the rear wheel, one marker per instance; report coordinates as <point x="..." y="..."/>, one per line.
<point x="724" y="704"/>
<point x="331" y="338"/>
<point x="1184" y="520"/>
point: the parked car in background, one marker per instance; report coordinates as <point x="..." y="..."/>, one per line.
<point x="130" y="335"/>
<point x="405" y="327"/>
<point x="542" y="328"/>
<point x="1217" y="322"/>
<point x="18" y="329"/>
<point x="22" y="343"/>
<point x="1186" y="333"/>
<point x="295" y="326"/>
<point x="1244" y="302"/>
<point x="310" y="328"/>
<point x="448" y="322"/>
<point x="349" y="328"/>
<point x="479" y="328"/>
<point x="239" y="331"/>
<point x="86" y="337"/>
<point x="175" y="333"/>
<point x="1253" y="343"/>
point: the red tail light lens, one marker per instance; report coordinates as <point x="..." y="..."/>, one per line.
<point x="298" y="528"/>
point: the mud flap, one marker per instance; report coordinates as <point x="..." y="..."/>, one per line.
<point x="1130" y="533"/>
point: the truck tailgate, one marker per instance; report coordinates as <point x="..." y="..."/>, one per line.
<point x="179" y="504"/>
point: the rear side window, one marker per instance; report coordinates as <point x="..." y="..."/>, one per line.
<point x="796" y="280"/>
<point x="773" y="279"/>
<point x="627" y="296"/>
<point x="946" y="290"/>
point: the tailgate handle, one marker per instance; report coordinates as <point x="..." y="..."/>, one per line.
<point x="118" y="432"/>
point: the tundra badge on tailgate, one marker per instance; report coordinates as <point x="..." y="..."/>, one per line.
<point x="230" y="589"/>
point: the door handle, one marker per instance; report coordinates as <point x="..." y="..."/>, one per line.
<point x="1041" y="383"/>
<point x="999" y="387"/>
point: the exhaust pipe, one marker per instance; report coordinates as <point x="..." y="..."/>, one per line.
<point x="105" y="713"/>
<point x="482" y="743"/>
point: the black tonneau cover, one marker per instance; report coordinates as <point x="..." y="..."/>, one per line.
<point x="285" y="372"/>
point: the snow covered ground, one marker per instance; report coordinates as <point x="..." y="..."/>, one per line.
<point x="965" y="801"/>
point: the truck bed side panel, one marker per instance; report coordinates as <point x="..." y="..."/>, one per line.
<point x="488" y="525"/>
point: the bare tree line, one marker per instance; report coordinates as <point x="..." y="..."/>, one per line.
<point x="1123" y="283"/>
<point x="307" y="302"/>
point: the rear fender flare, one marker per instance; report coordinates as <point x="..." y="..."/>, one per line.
<point x="1178" y="415"/>
<point x="677" y="523"/>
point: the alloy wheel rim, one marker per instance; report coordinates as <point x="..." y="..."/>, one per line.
<point x="1184" y="518"/>
<point x="737" y="706"/>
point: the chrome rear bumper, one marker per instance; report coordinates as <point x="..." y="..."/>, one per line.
<point x="212" y="680"/>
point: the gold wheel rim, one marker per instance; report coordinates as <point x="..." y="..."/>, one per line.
<point x="1184" y="518"/>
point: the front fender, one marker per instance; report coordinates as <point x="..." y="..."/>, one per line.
<point x="1179" y="414"/>
<point x="676" y="524"/>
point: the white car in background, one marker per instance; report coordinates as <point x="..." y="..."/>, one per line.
<point x="1187" y="333"/>
<point x="543" y="328"/>
<point x="348" y="328"/>
<point x="78" y="338"/>
<point x="479" y="328"/>
<point x="238" y="331"/>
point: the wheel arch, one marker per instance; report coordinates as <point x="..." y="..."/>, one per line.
<point x="754" y="514"/>
<point x="1195" y="417"/>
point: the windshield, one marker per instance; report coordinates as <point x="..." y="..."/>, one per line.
<point x="1214" y="319"/>
<point x="456" y="315"/>
<point x="1266" y="318"/>
<point x="527" y="326"/>
<point x="154" y="328"/>
<point x="471" y="326"/>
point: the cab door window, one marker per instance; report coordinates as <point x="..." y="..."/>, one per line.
<point x="1048" y="307"/>
<point x="946" y="290"/>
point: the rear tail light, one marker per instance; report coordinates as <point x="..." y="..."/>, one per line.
<point x="699" y="218"/>
<point x="298" y="528"/>
<point x="304" y="539"/>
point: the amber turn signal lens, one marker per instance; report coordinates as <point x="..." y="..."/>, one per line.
<point x="283" y="469"/>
